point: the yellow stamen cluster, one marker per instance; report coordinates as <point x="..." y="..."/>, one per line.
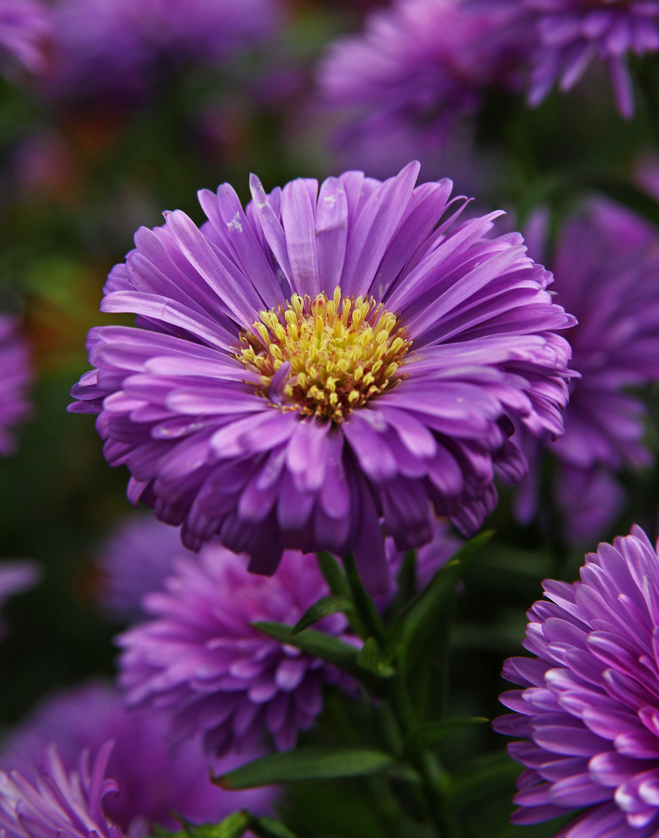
<point x="342" y="352"/>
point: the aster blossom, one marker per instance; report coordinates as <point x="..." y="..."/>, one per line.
<point x="154" y="780"/>
<point x="202" y="663"/>
<point x="569" y="34"/>
<point x="589" y="705"/>
<point x="15" y="379"/>
<point x="605" y="265"/>
<point x="321" y="362"/>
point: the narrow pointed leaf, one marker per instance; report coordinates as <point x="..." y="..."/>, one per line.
<point x="306" y="764"/>
<point x="364" y="605"/>
<point x="415" y="626"/>
<point x="432" y="733"/>
<point x="316" y="643"/>
<point x="266" y="827"/>
<point x="334" y="575"/>
<point x="370" y="658"/>
<point x="319" y="610"/>
<point x="234" y="826"/>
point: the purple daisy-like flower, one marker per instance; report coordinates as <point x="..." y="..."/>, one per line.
<point x="571" y="33"/>
<point x="154" y="780"/>
<point x="606" y="266"/>
<point x="327" y="360"/>
<point x="589" y="705"/>
<point x="15" y="379"/>
<point x="119" y="49"/>
<point x="16" y="577"/>
<point x="418" y="69"/>
<point x="58" y="803"/>
<point x="203" y="663"/>
<point x="24" y="29"/>
<point x="134" y="561"/>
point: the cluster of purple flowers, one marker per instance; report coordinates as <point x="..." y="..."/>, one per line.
<point x="333" y="356"/>
<point x="588" y="710"/>
<point x="605" y="265"/>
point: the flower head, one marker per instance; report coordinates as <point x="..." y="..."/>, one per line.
<point x="153" y="780"/>
<point x="605" y="265"/>
<point x="15" y="379"/>
<point x="570" y="33"/>
<point x="417" y="69"/>
<point x="417" y="341"/>
<point x="24" y="28"/>
<point x="58" y="803"/>
<point x="589" y="705"/>
<point x="201" y="661"/>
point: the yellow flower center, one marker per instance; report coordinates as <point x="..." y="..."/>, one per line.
<point x="341" y="352"/>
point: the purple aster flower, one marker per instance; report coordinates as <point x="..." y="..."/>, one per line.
<point x="153" y="779"/>
<point x="118" y="49"/>
<point x="16" y="577"/>
<point x="203" y="663"/>
<point x="570" y="33"/>
<point x="24" y="30"/>
<point x="588" y="710"/>
<point x="606" y="265"/>
<point x="134" y="561"/>
<point x="15" y="379"/>
<point x="322" y="362"/>
<point x="58" y="803"/>
<point x="417" y="70"/>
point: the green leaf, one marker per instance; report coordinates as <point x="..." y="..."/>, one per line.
<point x="306" y="764"/>
<point x="414" y="627"/>
<point x="406" y="585"/>
<point x="316" y="643"/>
<point x="234" y="826"/>
<point x="321" y="609"/>
<point x="364" y="605"/>
<point x="430" y="734"/>
<point x="334" y="575"/>
<point x="266" y="827"/>
<point x="370" y="658"/>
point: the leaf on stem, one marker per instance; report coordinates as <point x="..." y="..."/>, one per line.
<point x="370" y="659"/>
<point x="334" y="575"/>
<point x="316" y="643"/>
<point x="432" y="733"/>
<point x="306" y="764"/>
<point x="319" y="610"/>
<point x="416" y="623"/>
<point x="364" y="605"/>
<point x="266" y="827"/>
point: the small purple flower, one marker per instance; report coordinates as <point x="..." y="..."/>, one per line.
<point x="15" y="379"/>
<point x="203" y="663"/>
<point x="417" y="70"/>
<point x="16" y="577"/>
<point x="606" y="266"/>
<point x="588" y="710"/>
<point x="24" y="29"/>
<point x="58" y="803"/>
<point x="119" y="49"/>
<point x="153" y="779"/>
<point x="569" y="34"/>
<point x="134" y="561"/>
<point x="323" y="362"/>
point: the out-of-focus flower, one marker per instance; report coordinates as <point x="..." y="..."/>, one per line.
<point x="135" y="560"/>
<point x="16" y="577"/>
<point x="325" y="360"/>
<point x="153" y="779"/>
<point x="569" y="34"/>
<point x="606" y="266"/>
<point x="203" y="663"/>
<point x="417" y="69"/>
<point x="24" y="30"/>
<point x="58" y="803"/>
<point x="15" y="379"/>
<point x="589" y="704"/>
<point x="119" y="49"/>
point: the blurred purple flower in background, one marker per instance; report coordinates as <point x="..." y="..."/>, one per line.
<point x="416" y="71"/>
<point x="16" y="577"/>
<point x="203" y="663"/>
<point x="153" y="779"/>
<point x="324" y="361"/>
<point x="570" y="33"/>
<point x="589" y="704"/>
<point x="15" y="379"/>
<point x="25" y="28"/>
<point x="120" y="48"/>
<point x="606" y="266"/>
<point x="58" y="803"/>
<point x="133" y="561"/>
